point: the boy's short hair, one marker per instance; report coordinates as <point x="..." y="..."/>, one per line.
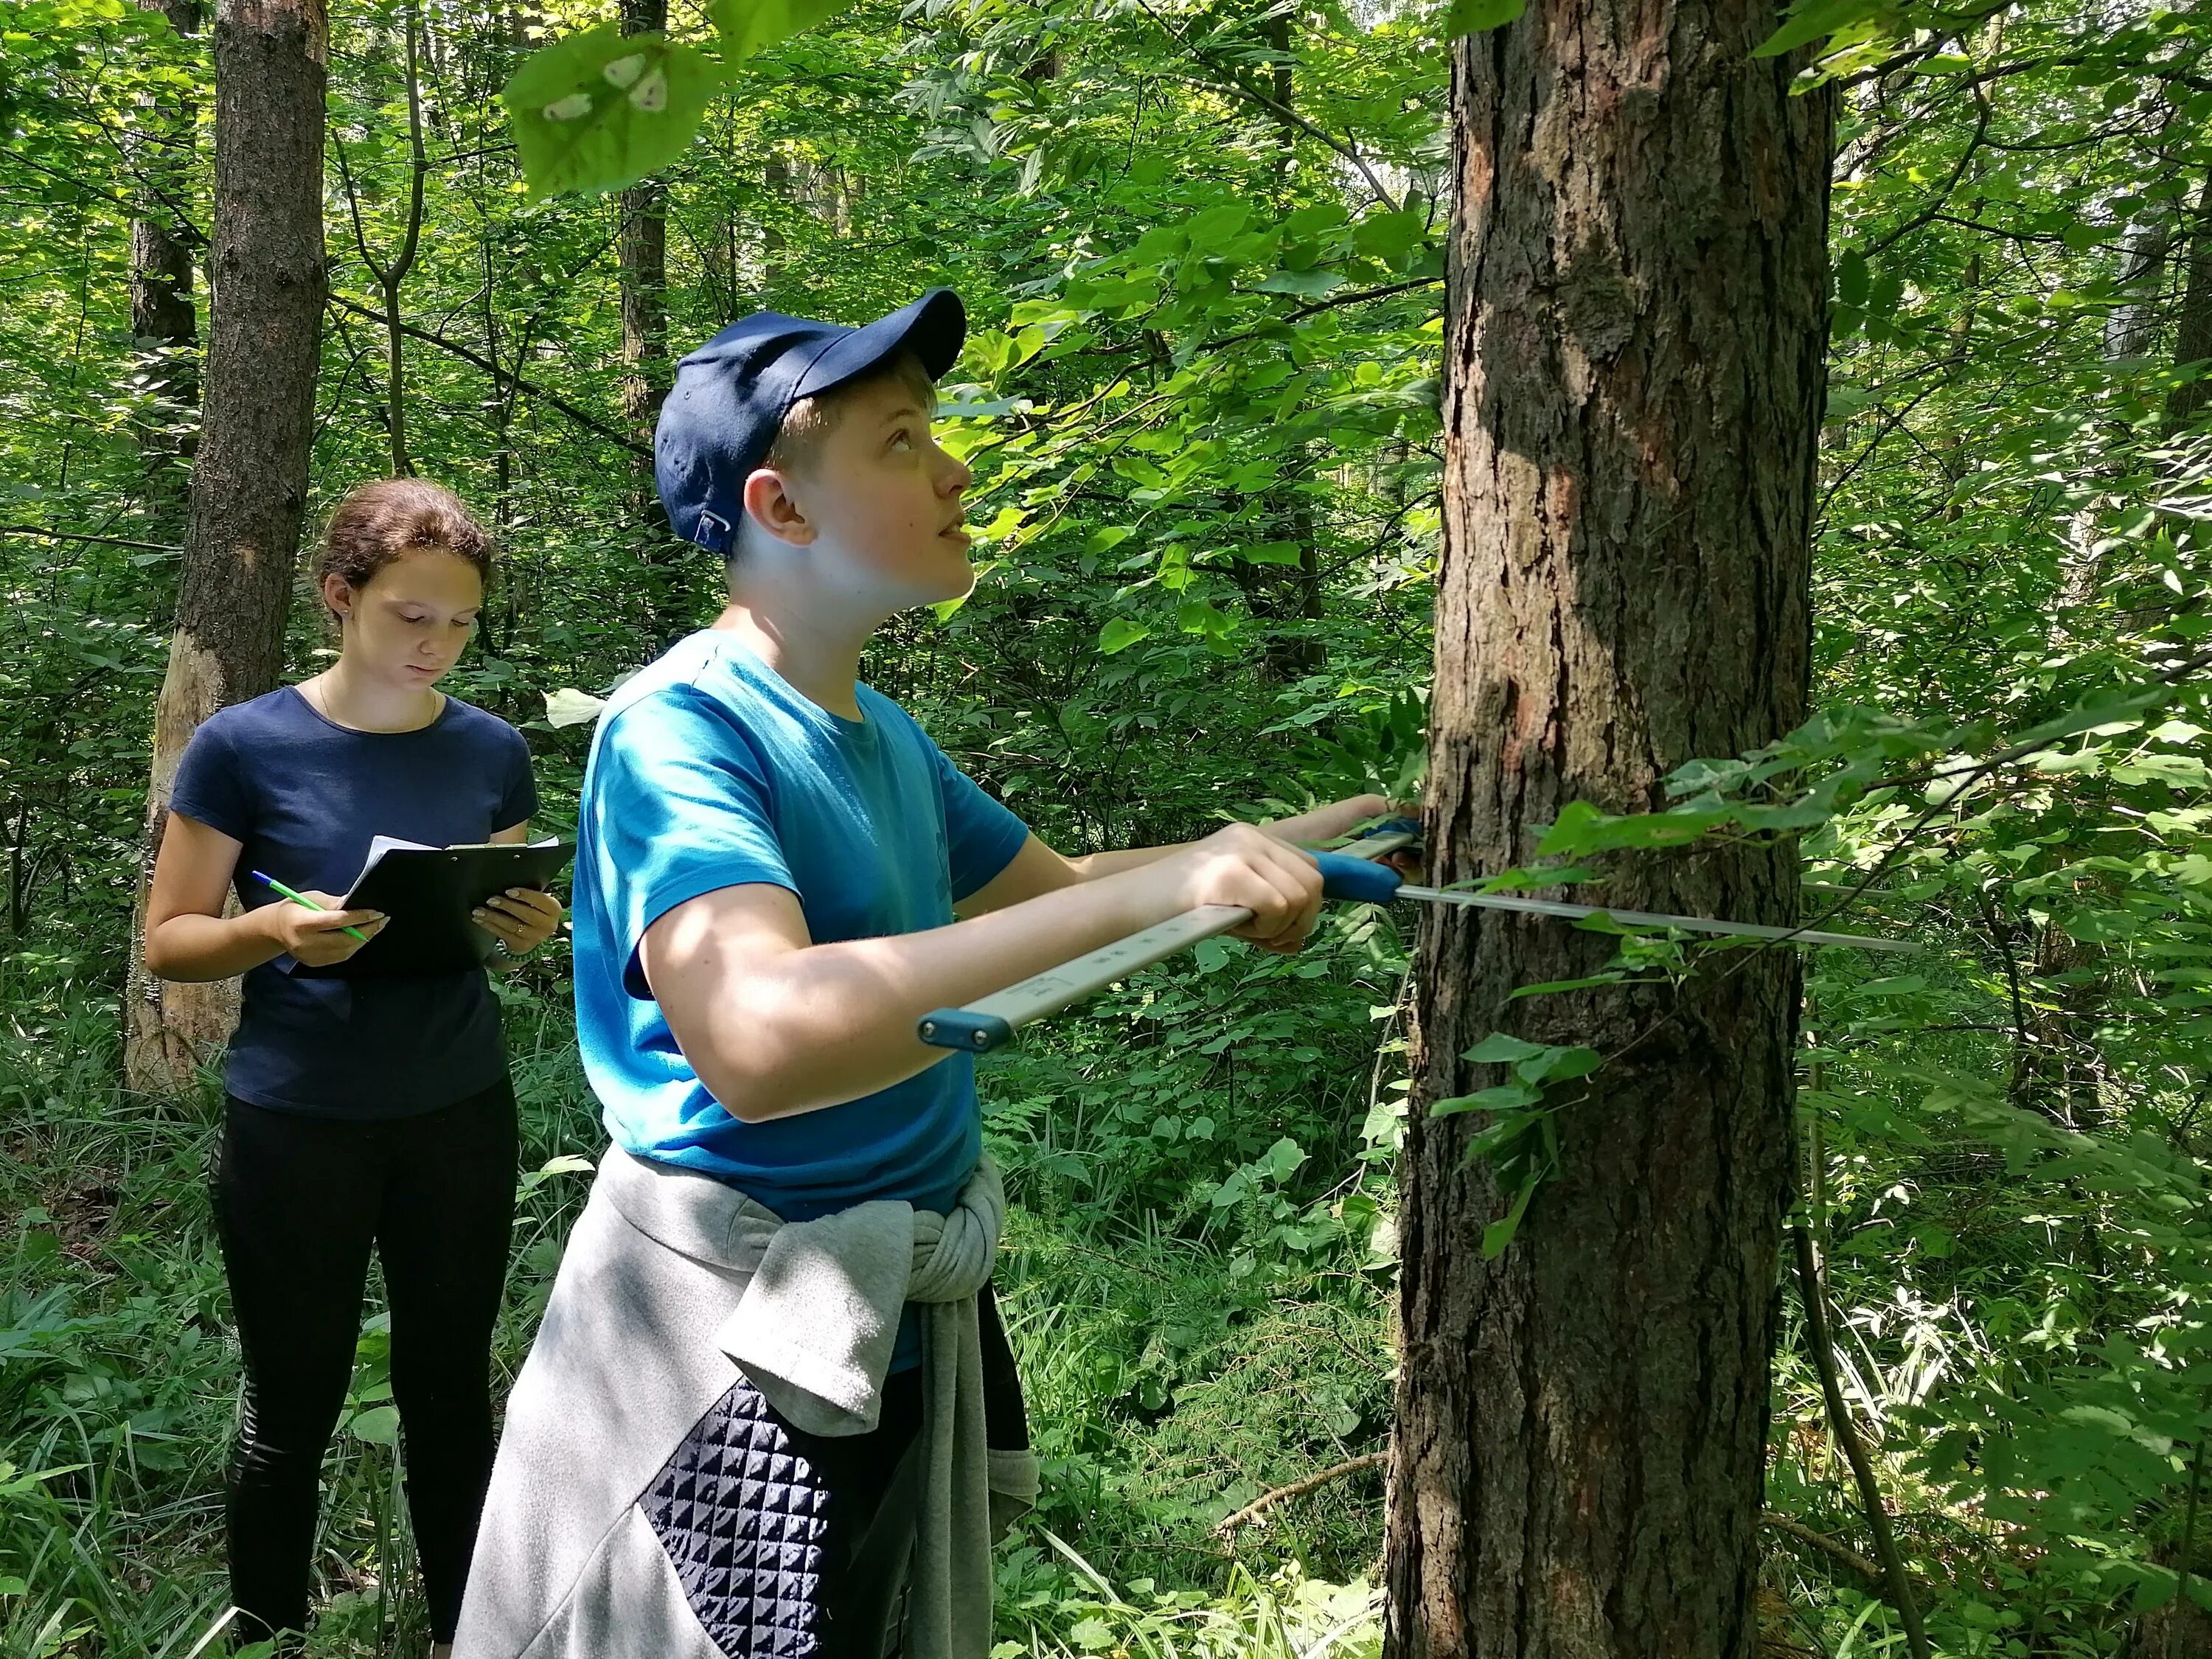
<point x="798" y="441"/>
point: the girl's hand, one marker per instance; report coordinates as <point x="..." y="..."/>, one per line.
<point x="316" y="939"/>
<point x="521" y="918"/>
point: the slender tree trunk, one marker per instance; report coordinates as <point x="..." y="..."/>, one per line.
<point x="249" y="488"/>
<point x="1635" y="373"/>
<point x="776" y="175"/>
<point x="391" y="276"/>
<point x="641" y="249"/>
<point x="2192" y="341"/>
<point x="162" y="325"/>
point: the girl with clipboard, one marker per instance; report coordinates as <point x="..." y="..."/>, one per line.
<point x="362" y="1112"/>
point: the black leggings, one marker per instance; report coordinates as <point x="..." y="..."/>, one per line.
<point x="299" y="1202"/>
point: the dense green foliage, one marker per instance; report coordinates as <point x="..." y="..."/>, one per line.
<point x="1200" y="246"/>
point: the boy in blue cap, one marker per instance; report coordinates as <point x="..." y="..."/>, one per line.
<point x="771" y="1409"/>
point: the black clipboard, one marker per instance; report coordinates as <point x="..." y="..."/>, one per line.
<point x="427" y="893"/>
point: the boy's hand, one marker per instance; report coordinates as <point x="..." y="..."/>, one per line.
<point x="1255" y="870"/>
<point x="316" y="939"/>
<point x="1337" y="818"/>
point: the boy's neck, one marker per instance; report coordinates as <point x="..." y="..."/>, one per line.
<point x="818" y="658"/>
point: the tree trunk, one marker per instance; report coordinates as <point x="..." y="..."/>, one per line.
<point x="2192" y="341"/>
<point x="163" y="329"/>
<point x="249" y="487"/>
<point x="1635" y="373"/>
<point x="641" y="250"/>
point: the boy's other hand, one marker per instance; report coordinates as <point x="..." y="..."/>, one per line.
<point x="1337" y="818"/>
<point x="1255" y="871"/>
<point x="316" y="939"/>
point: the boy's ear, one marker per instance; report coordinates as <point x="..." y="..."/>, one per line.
<point x="768" y="503"/>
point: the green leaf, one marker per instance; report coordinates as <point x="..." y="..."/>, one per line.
<point x="379" y="1425"/>
<point x="2180" y="771"/>
<point x="599" y="111"/>
<point x="1505" y="1097"/>
<point x="1215" y="225"/>
<point x="1814" y="20"/>
<point x="1499" y="1233"/>
<point x="1306" y="284"/>
<point x="1851" y="281"/>
<point x="569" y="706"/>
<point x="1119" y="634"/>
<point x="1558" y="1065"/>
<point x="1474" y="17"/>
<point x="1387" y="236"/>
<point x="746" y="25"/>
<point x="1901" y="986"/>
<point x="1553" y="987"/>
<point x="1497" y="1048"/>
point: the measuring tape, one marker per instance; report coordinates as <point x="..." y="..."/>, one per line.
<point x="1352" y="874"/>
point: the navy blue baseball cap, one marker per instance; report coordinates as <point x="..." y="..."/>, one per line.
<point x="731" y="395"/>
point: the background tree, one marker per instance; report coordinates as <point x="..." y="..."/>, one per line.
<point x="163" y="320"/>
<point x="249" y="491"/>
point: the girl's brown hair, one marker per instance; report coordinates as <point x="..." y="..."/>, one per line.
<point x="377" y="522"/>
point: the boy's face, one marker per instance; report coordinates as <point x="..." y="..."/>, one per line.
<point x="880" y="493"/>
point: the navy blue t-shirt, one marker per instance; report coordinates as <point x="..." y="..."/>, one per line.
<point x="305" y="796"/>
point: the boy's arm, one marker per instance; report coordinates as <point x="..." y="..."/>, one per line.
<point x="1036" y="869"/>
<point x="775" y="1025"/>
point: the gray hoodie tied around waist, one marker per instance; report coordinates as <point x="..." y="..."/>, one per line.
<point x="673" y="1283"/>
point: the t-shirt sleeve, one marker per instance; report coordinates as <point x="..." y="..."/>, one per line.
<point x="211" y="787"/>
<point x="679" y="805"/>
<point x="981" y="836"/>
<point x="517" y="802"/>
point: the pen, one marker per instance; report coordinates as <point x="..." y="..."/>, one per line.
<point x="300" y="898"/>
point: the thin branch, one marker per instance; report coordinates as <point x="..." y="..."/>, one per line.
<point x="1835" y="1548"/>
<point x="582" y="418"/>
<point x="78" y="536"/>
<point x="1334" y="301"/>
<point x="1228" y="1527"/>
<point x="1893" y="1575"/>
<point x="1942" y="197"/>
<point x="1233" y="83"/>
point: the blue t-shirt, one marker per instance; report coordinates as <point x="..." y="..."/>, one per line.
<point x="305" y="796"/>
<point x="708" y="771"/>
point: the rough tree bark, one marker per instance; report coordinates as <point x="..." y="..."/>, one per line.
<point x="1634" y="378"/>
<point x="249" y="488"/>
<point x="2192" y="342"/>
<point x="641" y="251"/>
<point x="163" y="328"/>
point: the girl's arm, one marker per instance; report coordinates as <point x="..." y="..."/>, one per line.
<point x="189" y="938"/>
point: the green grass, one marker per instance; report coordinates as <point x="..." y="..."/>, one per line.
<point x="1179" y="1353"/>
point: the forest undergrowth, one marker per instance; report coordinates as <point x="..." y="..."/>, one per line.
<point x="1203" y="269"/>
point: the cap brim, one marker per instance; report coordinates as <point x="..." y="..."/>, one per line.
<point x="932" y="328"/>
